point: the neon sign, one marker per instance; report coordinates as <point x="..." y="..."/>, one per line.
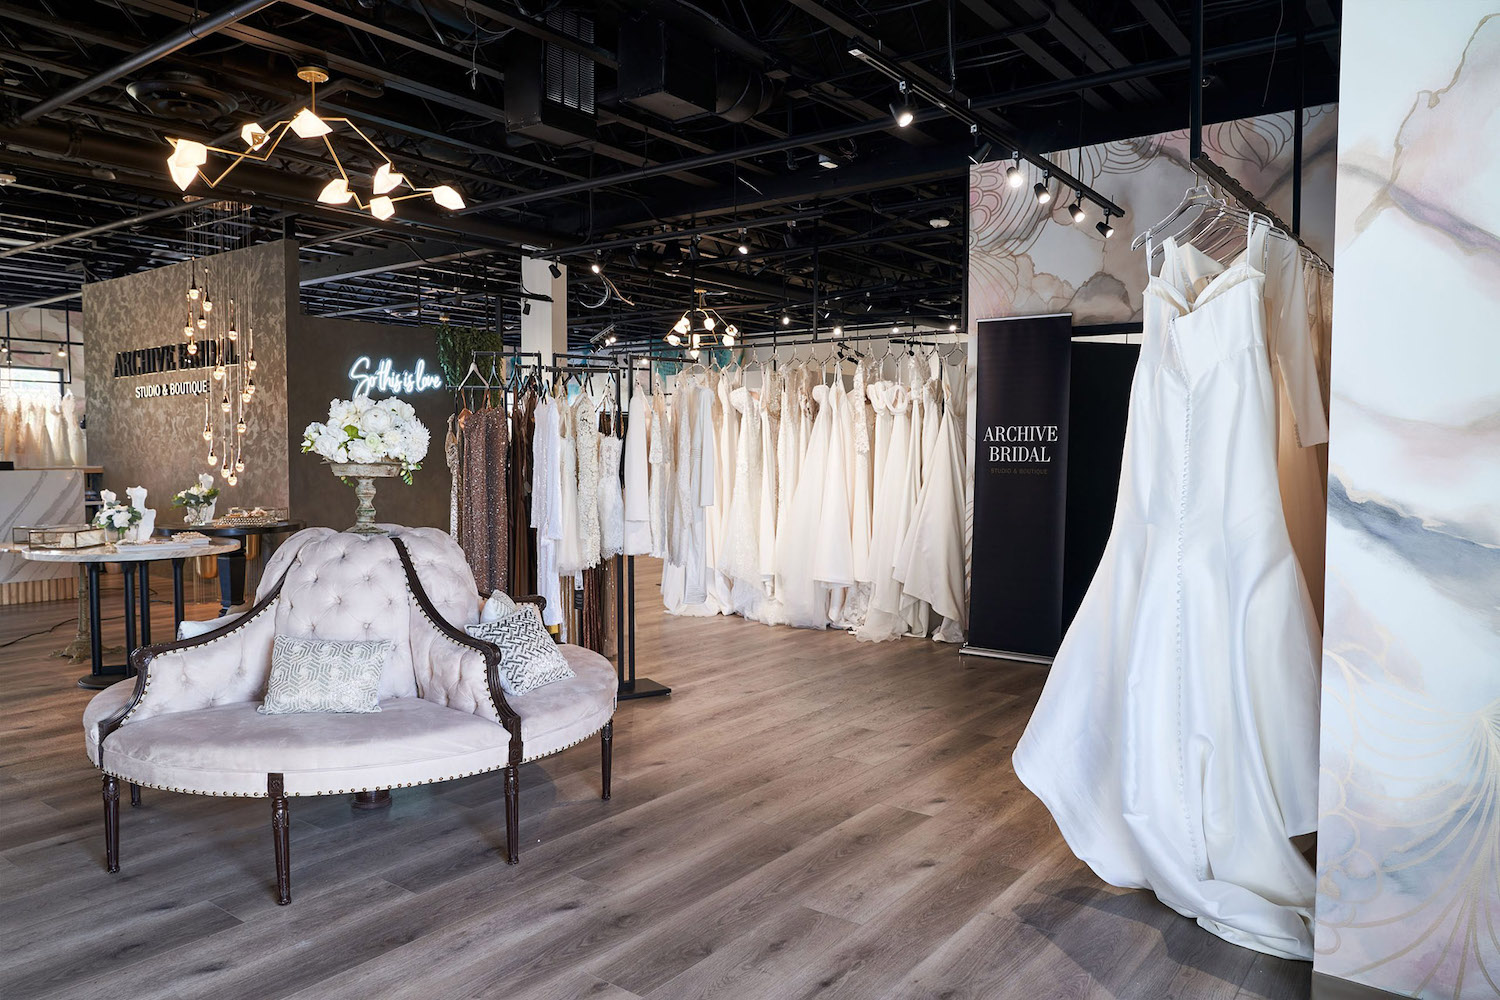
<point x="369" y="376"/>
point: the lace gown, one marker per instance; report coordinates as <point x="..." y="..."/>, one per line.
<point x="611" y="499"/>
<point x="1176" y="740"/>
<point x="892" y="403"/>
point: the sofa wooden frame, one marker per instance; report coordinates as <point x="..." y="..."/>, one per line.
<point x="280" y="817"/>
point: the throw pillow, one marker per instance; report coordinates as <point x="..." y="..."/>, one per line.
<point x="497" y="607"/>
<point x="192" y="630"/>
<point x="528" y="656"/>
<point x="325" y="675"/>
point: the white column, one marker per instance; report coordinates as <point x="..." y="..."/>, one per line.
<point x="545" y="327"/>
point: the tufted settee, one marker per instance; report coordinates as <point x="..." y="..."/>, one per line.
<point x="188" y="722"/>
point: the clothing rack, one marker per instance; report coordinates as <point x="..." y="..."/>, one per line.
<point x="629" y="686"/>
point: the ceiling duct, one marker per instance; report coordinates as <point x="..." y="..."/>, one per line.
<point x="549" y="90"/>
<point x="670" y="73"/>
<point x="182" y="96"/>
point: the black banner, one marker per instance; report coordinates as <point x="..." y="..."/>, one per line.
<point x="1020" y="467"/>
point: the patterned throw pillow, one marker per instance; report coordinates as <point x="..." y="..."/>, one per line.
<point x="325" y="675"/>
<point x="497" y="607"/>
<point x="528" y="656"/>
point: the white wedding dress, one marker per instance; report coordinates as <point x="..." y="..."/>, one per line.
<point x="1176" y="741"/>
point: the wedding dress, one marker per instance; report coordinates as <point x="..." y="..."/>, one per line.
<point x="930" y="564"/>
<point x="833" y="553"/>
<point x="804" y="600"/>
<point x="925" y="420"/>
<point x="685" y="579"/>
<point x="742" y="563"/>
<point x="586" y="441"/>
<point x="570" y="548"/>
<point x="611" y="500"/>
<point x="1176" y="740"/>
<point x="891" y="511"/>
<point x="546" y="507"/>
<point x="659" y="451"/>
<point x="637" y="496"/>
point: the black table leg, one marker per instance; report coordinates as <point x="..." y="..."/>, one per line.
<point x="231" y="580"/>
<point x="176" y="595"/>
<point x="95" y="679"/>
<point x="130" y="613"/>
<point x="145" y="584"/>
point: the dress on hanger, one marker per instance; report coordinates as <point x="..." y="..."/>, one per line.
<point x="890" y="511"/>
<point x="637" y="498"/>
<point x="586" y="443"/>
<point x="805" y="601"/>
<point x="546" y="506"/>
<point x="570" y="558"/>
<point x="1176" y="740"/>
<point x="930" y="563"/>
<point x="77" y="447"/>
<point x="659" y="453"/>
<point x="611" y="499"/>
<point x="522" y="552"/>
<point x="833" y="557"/>
<point x="486" y="527"/>
<point x="451" y="454"/>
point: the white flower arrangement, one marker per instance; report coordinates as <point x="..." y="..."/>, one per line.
<point x="115" y="515"/>
<point x="363" y="430"/>
<point x="201" y="494"/>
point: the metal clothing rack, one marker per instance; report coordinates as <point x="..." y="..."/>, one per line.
<point x="629" y="686"/>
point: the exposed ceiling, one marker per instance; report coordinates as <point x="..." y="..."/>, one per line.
<point x="678" y="125"/>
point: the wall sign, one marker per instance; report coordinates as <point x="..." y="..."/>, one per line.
<point x="172" y="358"/>
<point x="370" y="376"/>
<point x="1020" y="485"/>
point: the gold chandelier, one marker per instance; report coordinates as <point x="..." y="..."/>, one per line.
<point x="702" y="326"/>
<point x="189" y="156"/>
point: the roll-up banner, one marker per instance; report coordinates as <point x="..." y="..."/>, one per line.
<point x="1020" y="465"/>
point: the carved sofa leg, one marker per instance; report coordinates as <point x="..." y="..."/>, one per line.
<point x="135" y="794"/>
<point x="513" y="814"/>
<point x="111" y="823"/>
<point x="280" y="822"/>
<point x="607" y="752"/>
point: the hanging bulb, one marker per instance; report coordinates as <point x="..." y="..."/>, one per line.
<point x="786" y="320"/>
<point x="233" y="334"/>
<point x="250" y="361"/>
<point x="208" y="431"/>
<point x="187" y="331"/>
<point x="202" y="323"/>
<point x="232" y="479"/>
<point x="952" y="327"/>
<point x="239" y="428"/>
<point x="250" y="387"/>
<point x="253" y="135"/>
<point x="219" y="373"/>
<point x="224" y="404"/>
<point x="224" y="471"/>
<point x="382" y="208"/>
<point x="244" y="395"/>
<point x="208" y="305"/>
<point x="192" y="347"/>
<point x="239" y="466"/>
<point x="708" y="323"/>
<point x="683" y="325"/>
<point x="693" y="353"/>
<point x="674" y="339"/>
<point x="192" y="293"/>
<point x="213" y="459"/>
<point x="448" y="197"/>
<point x="838" y="331"/>
<point x="309" y="126"/>
<point x="386" y="180"/>
<point x="728" y="337"/>
<point x="335" y="192"/>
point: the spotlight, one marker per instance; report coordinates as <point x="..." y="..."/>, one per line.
<point x="838" y="330"/>
<point x="786" y="320"/>
<point x="1076" y="209"/>
<point x="1040" y="189"/>
<point x="1104" y="228"/>
<point x="1013" y="175"/>
<point x="940" y="222"/>
<point x="62" y="350"/>
<point x="902" y="109"/>
<point x="597" y="265"/>
<point x="743" y="248"/>
<point x="895" y="329"/>
<point x="526" y="308"/>
<point x="554" y="270"/>
<point x="443" y="318"/>
<point x="981" y="153"/>
<point x="952" y="327"/>
<point x="827" y="162"/>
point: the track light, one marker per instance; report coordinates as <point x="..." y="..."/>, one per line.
<point x="952" y="327"/>
<point x="1013" y="175"/>
<point x="743" y="248"/>
<point x="827" y="162"/>
<point x="1076" y="209"/>
<point x="554" y="270"/>
<point x="838" y="330"/>
<point x="1104" y="228"/>
<point x="526" y="307"/>
<point x="62" y="350"/>
<point x="1042" y="192"/>
<point x="597" y="265"/>
<point x="786" y="320"/>
<point x="902" y="109"/>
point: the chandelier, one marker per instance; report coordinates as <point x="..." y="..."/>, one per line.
<point x="702" y="326"/>
<point x="219" y="336"/>
<point x="189" y="156"/>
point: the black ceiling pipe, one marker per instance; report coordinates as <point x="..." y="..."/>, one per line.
<point x="160" y="213"/>
<point x="178" y="39"/>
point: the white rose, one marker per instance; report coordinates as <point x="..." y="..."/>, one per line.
<point x="108" y="496"/>
<point x="120" y="519"/>
<point x="417" y="440"/>
<point x="376" y="420"/>
<point x="340" y="454"/>
<point x="360" y="452"/>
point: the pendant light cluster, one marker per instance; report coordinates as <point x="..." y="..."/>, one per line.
<point x="220" y="335"/>
<point x="188" y="158"/>
<point x="702" y="327"/>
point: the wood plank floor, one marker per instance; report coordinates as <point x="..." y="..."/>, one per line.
<point x="805" y="816"/>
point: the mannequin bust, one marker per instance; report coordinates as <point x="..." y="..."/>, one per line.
<point x="142" y="529"/>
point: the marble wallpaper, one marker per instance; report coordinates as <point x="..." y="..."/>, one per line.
<point x="1409" y="839"/>
<point x="157" y="442"/>
<point x="1025" y="259"/>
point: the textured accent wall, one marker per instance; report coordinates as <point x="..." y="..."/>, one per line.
<point x="1409" y="834"/>
<point x="157" y="442"/>
<point x="321" y="351"/>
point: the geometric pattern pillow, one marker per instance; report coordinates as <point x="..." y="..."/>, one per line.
<point x="325" y="675"/>
<point x="528" y="656"/>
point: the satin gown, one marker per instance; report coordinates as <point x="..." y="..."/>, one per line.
<point x="1176" y="740"/>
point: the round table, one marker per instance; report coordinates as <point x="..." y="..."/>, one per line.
<point x="142" y="554"/>
<point x="232" y="564"/>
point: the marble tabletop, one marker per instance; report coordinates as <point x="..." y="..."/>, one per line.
<point x="134" y="552"/>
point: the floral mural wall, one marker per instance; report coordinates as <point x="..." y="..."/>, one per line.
<point x="1409" y="836"/>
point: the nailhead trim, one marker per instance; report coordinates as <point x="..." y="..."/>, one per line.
<point x="348" y="791"/>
